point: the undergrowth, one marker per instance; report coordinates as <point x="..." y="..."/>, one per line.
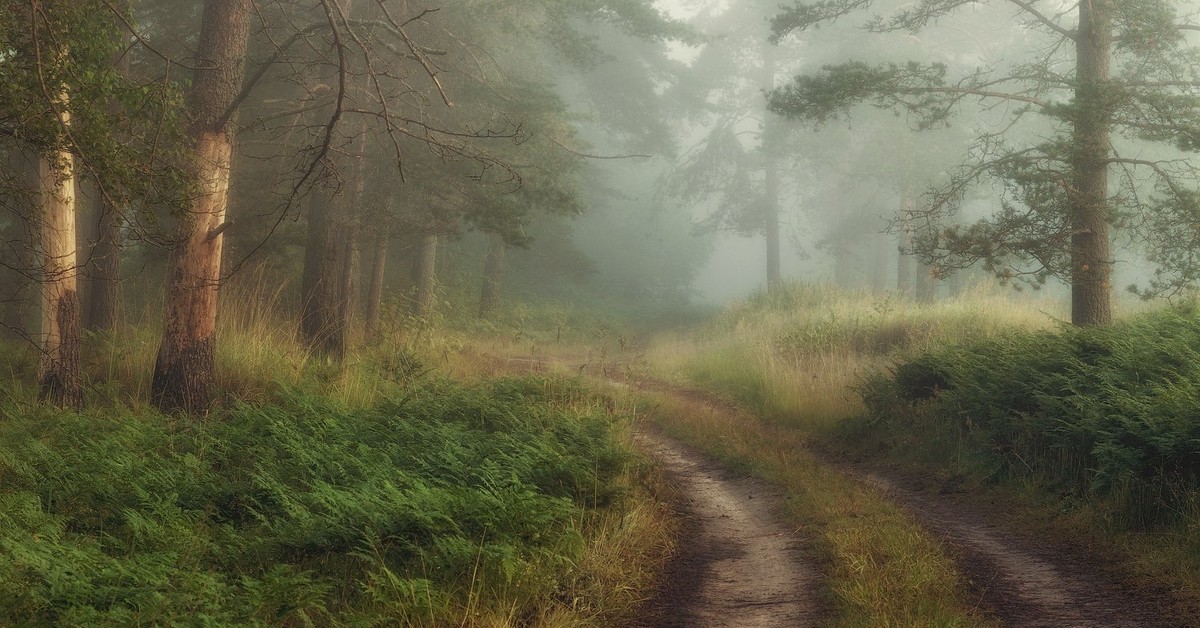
<point x="451" y="504"/>
<point x="1110" y="414"/>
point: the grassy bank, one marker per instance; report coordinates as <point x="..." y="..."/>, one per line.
<point x="1090" y="433"/>
<point x="879" y="567"/>
<point x="796" y="356"/>
<point x="378" y="491"/>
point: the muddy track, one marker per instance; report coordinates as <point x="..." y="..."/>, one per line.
<point x="739" y="563"/>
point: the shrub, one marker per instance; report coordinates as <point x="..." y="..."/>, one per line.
<point x="1110" y="412"/>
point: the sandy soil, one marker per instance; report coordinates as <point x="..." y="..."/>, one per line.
<point x="739" y="563"/>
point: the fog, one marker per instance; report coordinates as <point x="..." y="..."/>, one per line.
<point x="639" y="156"/>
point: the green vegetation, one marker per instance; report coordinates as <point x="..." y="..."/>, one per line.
<point x="1092" y="433"/>
<point x="372" y="492"/>
<point x="794" y="355"/>
<point x="449" y="504"/>
<point x="1106" y="417"/>
<point x="880" y="567"/>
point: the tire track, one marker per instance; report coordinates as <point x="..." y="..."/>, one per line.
<point x="740" y="564"/>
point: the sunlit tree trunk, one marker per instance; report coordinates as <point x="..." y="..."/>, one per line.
<point x="493" y="275"/>
<point x="425" y="275"/>
<point x="183" y="372"/>
<point x="1091" y="264"/>
<point x="58" y="368"/>
<point x="375" y="286"/>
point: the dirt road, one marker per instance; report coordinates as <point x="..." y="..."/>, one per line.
<point x="740" y="564"/>
<point x="1018" y="580"/>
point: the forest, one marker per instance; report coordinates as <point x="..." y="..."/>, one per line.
<point x="643" y="313"/>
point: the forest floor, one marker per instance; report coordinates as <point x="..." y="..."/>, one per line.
<point x="741" y="564"/>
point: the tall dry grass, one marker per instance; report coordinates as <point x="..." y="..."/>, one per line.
<point x="797" y="356"/>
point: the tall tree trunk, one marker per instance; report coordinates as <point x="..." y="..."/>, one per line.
<point x="375" y="287"/>
<point x="58" y="367"/>
<point x="425" y="275"/>
<point x="904" y="268"/>
<point x="183" y="372"/>
<point x="880" y="245"/>
<point x="771" y="129"/>
<point x="330" y="263"/>
<point x="924" y="285"/>
<point x="102" y="309"/>
<point x="1091" y="266"/>
<point x="957" y="282"/>
<point x="103" y="292"/>
<point x="19" y="263"/>
<point x="493" y="275"/>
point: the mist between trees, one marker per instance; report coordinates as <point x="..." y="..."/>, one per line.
<point x="371" y="156"/>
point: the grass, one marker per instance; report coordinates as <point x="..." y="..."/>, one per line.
<point x="1090" y="435"/>
<point x="797" y="357"/>
<point x="372" y="492"/>
<point x="880" y="567"/>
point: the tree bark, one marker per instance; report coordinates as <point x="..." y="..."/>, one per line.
<point x="425" y="275"/>
<point x="494" y="268"/>
<point x="102" y="311"/>
<point x="1091" y="264"/>
<point x="924" y="285"/>
<point x="19" y="294"/>
<point x="329" y="263"/>
<point x="103" y="266"/>
<point x="183" y="372"/>
<point x="375" y="287"/>
<point x="58" y="367"/>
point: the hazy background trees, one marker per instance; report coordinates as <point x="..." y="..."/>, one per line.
<point x="403" y="158"/>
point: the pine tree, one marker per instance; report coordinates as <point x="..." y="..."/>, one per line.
<point x="1110" y="74"/>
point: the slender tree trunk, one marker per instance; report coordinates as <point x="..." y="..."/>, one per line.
<point x="104" y="267"/>
<point x="183" y="372"/>
<point x="957" y="282"/>
<point x="771" y="130"/>
<point x="1091" y="265"/>
<point x="880" y="245"/>
<point x="19" y="263"/>
<point x="425" y="275"/>
<point x="375" y="287"/>
<point x="493" y="275"/>
<point x="102" y="307"/>
<point x="330" y="263"/>
<point x="58" y="368"/>
<point x="924" y="285"/>
<point x="904" y="268"/>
